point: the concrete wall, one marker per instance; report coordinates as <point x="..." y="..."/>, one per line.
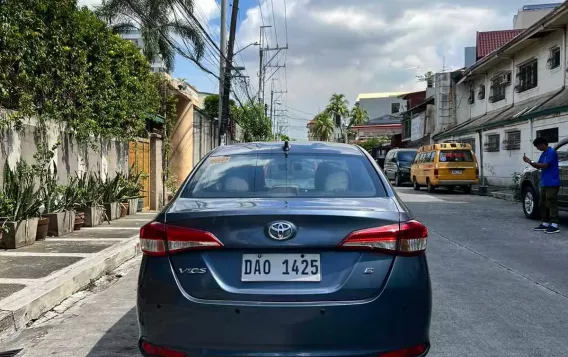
<point x="70" y="157"/>
<point x="181" y="159"/>
<point x="525" y="19"/>
<point x="156" y="172"/>
<point x="204" y="136"/>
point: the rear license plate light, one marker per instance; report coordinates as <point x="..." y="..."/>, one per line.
<point x="281" y="268"/>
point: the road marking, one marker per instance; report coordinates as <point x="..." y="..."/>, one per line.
<point x="407" y="197"/>
<point x="100" y="228"/>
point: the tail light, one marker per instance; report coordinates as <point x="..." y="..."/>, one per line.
<point x="476" y="171"/>
<point x="408" y="238"/>
<point x="407" y="352"/>
<point x="157" y="351"/>
<point x="436" y="172"/>
<point x="160" y="239"/>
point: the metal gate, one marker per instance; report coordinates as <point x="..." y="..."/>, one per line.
<point x="139" y="160"/>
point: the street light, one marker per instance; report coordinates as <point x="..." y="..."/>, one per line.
<point x="247" y="46"/>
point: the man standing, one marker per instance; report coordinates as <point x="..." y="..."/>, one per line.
<point x="550" y="185"/>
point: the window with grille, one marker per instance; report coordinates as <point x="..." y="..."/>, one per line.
<point x="481" y="93"/>
<point x="471" y="98"/>
<point x="550" y="134"/>
<point x="492" y="143"/>
<point x="498" y="87"/>
<point x="527" y="76"/>
<point x="512" y="140"/>
<point x="553" y="58"/>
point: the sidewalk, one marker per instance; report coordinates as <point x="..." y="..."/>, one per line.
<point x="36" y="278"/>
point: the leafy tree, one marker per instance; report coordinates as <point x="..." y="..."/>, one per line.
<point x="371" y="143"/>
<point x="211" y="104"/>
<point x="427" y="77"/>
<point x="358" y="116"/>
<point x="255" y="124"/>
<point x="156" y="22"/>
<point x="324" y="126"/>
<point x="338" y="105"/>
<point x="63" y="64"/>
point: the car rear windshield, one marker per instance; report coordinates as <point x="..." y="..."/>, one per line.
<point x="275" y="175"/>
<point x="456" y="156"/>
<point x="406" y="156"/>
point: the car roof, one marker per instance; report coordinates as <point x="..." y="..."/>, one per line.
<point x="316" y="147"/>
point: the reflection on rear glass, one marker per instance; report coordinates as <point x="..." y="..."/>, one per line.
<point x="456" y="156"/>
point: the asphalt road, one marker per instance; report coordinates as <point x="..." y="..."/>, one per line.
<point x="499" y="289"/>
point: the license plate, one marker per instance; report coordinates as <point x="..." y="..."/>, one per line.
<point x="281" y="267"/>
<point x="457" y="172"/>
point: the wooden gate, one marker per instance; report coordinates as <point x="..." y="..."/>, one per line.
<point x="139" y="159"/>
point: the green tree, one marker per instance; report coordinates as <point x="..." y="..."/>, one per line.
<point x="358" y="116"/>
<point x="323" y="128"/>
<point x="63" y="64"/>
<point x="156" y="22"/>
<point x="211" y="105"/>
<point x="255" y="124"/>
<point x="338" y="105"/>
<point x="427" y="77"/>
<point x="371" y="143"/>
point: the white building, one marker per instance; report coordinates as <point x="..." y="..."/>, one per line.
<point x="529" y="14"/>
<point x="135" y="36"/>
<point x="511" y="96"/>
<point x="380" y="104"/>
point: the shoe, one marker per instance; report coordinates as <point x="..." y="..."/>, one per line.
<point x="551" y="230"/>
<point x="541" y="227"/>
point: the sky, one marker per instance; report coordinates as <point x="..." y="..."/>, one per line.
<point x="349" y="47"/>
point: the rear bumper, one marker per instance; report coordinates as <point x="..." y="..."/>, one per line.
<point x="457" y="182"/>
<point x="398" y="318"/>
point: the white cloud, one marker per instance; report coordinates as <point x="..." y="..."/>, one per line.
<point x="369" y="45"/>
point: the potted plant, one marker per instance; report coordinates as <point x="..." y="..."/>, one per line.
<point x="88" y="200"/>
<point x="20" y="207"/>
<point x="113" y="191"/>
<point x="59" y="203"/>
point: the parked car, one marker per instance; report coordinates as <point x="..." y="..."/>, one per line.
<point x="530" y="184"/>
<point x="397" y="165"/>
<point x="241" y="263"/>
<point x="448" y="165"/>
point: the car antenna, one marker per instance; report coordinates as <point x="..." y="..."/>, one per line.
<point x="286" y="148"/>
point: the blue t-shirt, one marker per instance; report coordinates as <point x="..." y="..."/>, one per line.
<point x="549" y="177"/>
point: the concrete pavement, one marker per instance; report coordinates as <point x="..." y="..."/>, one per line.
<point x="499" y="289"/>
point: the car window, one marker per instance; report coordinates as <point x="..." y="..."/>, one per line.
<point x="456" y="156"/>
<point x="406" y="156"/>
<point x="275" y="175"/>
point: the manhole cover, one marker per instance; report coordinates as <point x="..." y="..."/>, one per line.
<point x="11" y="353"/>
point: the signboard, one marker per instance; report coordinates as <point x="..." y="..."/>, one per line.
<point x="417" y="127"/>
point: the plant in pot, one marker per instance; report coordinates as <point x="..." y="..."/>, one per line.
<point x="48" y="183"/>
<point x="88" y="199"/>
<point x="20" y="207"/>
<point x="54" y="199"/>
<point x="113" y="191"/>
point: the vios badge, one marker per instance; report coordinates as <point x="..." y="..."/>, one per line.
<point x="192" y="270"/>
<point x="281" y="230"/>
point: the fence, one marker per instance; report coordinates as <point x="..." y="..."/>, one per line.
<point x="204" y="135"/>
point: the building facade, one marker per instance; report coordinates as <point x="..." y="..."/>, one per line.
<point x="135" y="36"/>
<point x="380" y="104"/>
<point x="509" y="97"/>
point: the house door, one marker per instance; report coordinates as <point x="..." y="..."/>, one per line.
<point x="139" y="161"/>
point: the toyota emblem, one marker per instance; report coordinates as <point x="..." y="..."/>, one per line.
<point x="281" y="230"/>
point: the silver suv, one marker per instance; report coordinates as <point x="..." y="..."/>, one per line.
<point x="530" y="184"/>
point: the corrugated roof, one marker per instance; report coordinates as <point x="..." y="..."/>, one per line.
<point x="489" y="41"/>
<point x="379" y="95"/>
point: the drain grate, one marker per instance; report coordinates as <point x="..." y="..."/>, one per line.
<point x="11" y="353"/>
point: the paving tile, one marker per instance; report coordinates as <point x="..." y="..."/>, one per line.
<point x="14" y="267"/>
<point x="59" y="246"/>
<point x="8" y="289"/>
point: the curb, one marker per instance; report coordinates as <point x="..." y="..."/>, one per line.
<point x="504" y="195"/>
<point x="28" y="304"/>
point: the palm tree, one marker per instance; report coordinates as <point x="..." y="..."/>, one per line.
<point x="358" y="116"/>
<point x="338" y="105"/>
<point x="157" y="21"/>
<point x="323" y="129"/>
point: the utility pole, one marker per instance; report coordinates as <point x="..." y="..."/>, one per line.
<point x="224" y="6"/>
<point x="272" y="109"/>
<point x="228" y="69"/>
<point x="261" y="69"/>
